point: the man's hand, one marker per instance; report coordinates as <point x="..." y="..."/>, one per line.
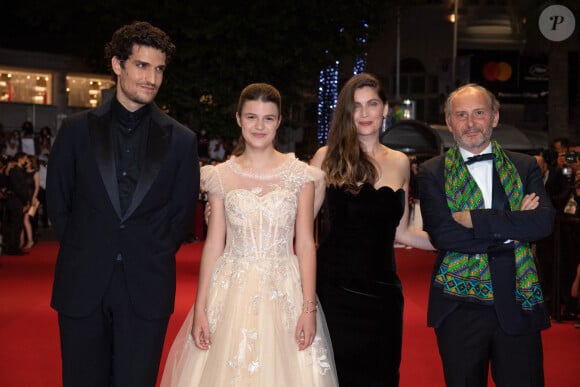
<point x="463" y="218"/>
<point x="530" y="202"/>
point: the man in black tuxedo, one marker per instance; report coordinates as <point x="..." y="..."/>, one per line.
<point x="482" y="206"/>
<point x="122" y="184"/>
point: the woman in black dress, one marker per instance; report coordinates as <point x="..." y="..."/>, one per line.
<point x="365" y="210"/>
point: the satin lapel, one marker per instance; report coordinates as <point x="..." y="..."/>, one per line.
<point x="158" y="142"/>
<point x="100" y="132"/>
<point x="499" y="199"/>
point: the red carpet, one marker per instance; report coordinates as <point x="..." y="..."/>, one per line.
<point x="29" y="344"/>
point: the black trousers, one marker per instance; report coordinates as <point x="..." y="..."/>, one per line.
<point x="470" y="340"/>
<point x="113" y="346"/>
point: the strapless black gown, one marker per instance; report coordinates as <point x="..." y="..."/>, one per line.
<point x="358" y="286"/>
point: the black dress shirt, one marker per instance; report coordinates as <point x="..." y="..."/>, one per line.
<point x="130" y="131"/>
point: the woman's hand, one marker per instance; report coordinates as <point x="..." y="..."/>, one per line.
<point x="200" y="330"/>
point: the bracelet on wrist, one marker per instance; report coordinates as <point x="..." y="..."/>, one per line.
<point x="310" y="306"/>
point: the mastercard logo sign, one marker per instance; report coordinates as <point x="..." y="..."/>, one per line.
<point x="497" y="71"/>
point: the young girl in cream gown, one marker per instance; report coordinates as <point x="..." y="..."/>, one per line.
<point x="256" y="320"/>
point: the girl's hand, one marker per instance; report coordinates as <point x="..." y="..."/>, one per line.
<point x="306" y="330"/>
<point x="200" y="330"/>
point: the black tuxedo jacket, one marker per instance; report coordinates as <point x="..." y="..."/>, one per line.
<point x="491" y="229"/>
<point x="84" y="208"/>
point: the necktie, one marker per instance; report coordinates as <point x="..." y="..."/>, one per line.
<point x="483" y="157"/>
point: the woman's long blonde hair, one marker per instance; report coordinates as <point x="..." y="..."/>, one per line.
<point x="345" y="163"/>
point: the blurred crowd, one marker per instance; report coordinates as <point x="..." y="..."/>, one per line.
<point x="23" y="163"/>
<point x="560" y="166"/>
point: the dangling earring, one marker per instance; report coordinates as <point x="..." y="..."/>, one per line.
<point x="384" y="125"/>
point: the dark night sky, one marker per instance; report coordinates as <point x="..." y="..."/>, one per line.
<point x="19" y="32"/>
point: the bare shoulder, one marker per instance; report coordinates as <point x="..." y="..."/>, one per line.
<point x="318" y="157"/>
<point x="395" y="158"/>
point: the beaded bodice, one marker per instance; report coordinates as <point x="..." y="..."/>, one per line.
<point x="260" y="208"/>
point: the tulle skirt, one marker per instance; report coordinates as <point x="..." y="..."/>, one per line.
<point x="253" y="308"/>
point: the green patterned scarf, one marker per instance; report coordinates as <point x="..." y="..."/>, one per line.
<point x="468" y="276"/>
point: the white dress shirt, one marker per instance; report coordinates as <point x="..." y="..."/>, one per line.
<point x="482" y="172"/>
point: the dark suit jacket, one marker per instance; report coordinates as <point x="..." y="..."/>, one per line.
<point x="84" y="208"/>
<point x="491" y="228"/>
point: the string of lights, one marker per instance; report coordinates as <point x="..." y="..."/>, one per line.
<point x="327" y="96"/>
<point x="360" y="62"/>
<point x="328" y="89"/>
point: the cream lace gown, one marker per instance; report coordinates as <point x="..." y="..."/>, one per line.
<point x="255" y="295"/>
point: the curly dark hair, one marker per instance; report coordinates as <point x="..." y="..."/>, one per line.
<point x="141" y="33"/>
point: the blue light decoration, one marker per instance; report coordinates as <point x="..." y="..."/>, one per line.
<point x="328" y="88"/>
<point x="360" y="62"/>
<point x="327" y="97"/>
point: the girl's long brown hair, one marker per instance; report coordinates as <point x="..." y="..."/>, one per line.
<point x="345" y="163"/>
